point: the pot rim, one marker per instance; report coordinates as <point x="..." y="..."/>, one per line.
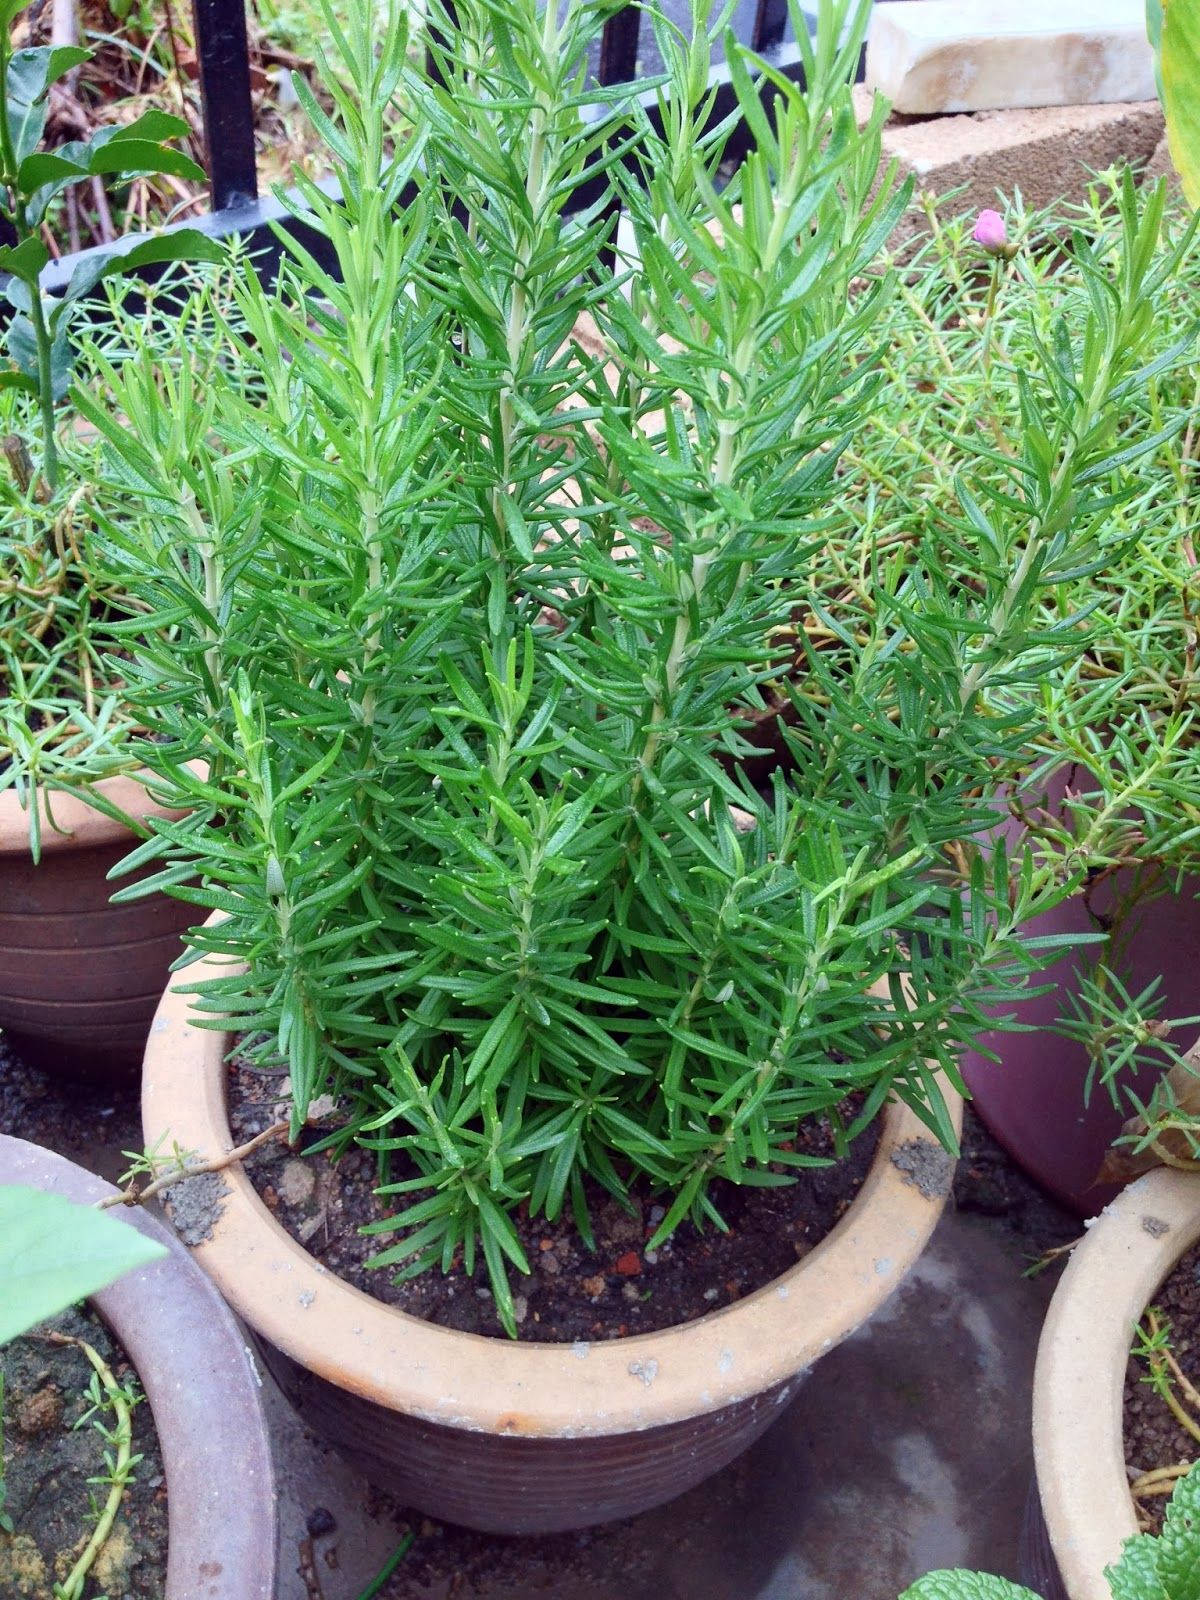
<point x="203" y="1390"/>
<point x="1078" y="1420"/>
<point x="70" y="823"/>
<point x="479" y="1383"/>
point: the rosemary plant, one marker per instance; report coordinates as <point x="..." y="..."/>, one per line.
<point x="469" y="568"/>
<point x="1110" y="781"/>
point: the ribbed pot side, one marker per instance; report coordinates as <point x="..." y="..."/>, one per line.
<point x="205" y="1396"/>
<point x="80" y="978"/>
<point x="510" y="1437"/>
<point x="1078" y="1394"/>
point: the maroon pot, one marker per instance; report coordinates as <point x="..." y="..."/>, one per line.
<point x="80" y="977"/>
<point x="1034" y="1098"/>
<point x="203" y="1391"/>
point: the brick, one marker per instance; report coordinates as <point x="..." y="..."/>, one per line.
<point x="1047" y="153"/>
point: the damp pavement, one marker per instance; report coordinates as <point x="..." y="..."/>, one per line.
<point x="907" y="1448"/>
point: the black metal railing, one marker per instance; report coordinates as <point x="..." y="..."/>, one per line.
<point x="223" y="51"/>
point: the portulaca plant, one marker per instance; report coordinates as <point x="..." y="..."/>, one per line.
<point x="479" y="574"/>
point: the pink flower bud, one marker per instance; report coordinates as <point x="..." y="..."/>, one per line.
<point x="991" y="234"/>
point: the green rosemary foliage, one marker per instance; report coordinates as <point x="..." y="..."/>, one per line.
<point x="468" y="570"/>
<point x="1111" y="776"/>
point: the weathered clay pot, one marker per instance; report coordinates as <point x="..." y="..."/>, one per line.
<point x="79" y="977"/>
<point x="1078" y="1438"/>
<point x="525" y="1438"/>
<point x="202" y="1389"/>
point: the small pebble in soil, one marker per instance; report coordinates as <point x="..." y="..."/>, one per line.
<point x="320" y="1522"/>
<point x="296" y="1183"/>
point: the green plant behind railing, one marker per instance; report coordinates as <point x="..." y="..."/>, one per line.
<point x="32" y="179"/>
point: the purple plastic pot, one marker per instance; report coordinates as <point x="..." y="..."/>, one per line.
<point x="1032" y="1098"/>
<point x="203" y="1391"/>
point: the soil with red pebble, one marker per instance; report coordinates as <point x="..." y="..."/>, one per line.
<point x="1153" y="1437"/>
<point x="620" y="1288"/>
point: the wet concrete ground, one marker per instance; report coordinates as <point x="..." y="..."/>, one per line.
<point x="908" y="1448"/>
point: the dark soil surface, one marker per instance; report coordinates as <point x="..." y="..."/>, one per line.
<point x="52" y="1461"/>
<point x="1153" y="1437"/>
<point x="88" y="1123"/>
<point x="987" y="1184"/>
<point x="620" y="1288"/>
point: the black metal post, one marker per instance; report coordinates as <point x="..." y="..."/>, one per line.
<point x="619" y="46"/>
<point x="770" y="24"/>
<point x="223" y="49"/>
<point x="618" y="64"/>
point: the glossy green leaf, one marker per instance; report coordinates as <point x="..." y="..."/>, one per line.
<point x="54" y="1252"/>
<point x="180" y="244"/>
<point x="47" y="167"/>
<point x="132" y="157"/>
<point x="30" y="74"/>
<point x="1180" y="71"/>
<point x="25" y="260"/>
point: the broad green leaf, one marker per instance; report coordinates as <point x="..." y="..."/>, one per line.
<point x="157" y="126"/>
<point x="184" y="244"/>
<point x="1179" y="1543"/>
<point x="18" y="380"/>
<point x="138" y="157"/>
<point x="45" y="167"/>
<point x="1154" y="22"/>
<point x="960" y="1585"/>
<point x="25" y="260"/>
<point x="30" y="74"/>
<point x="22" y="346"/>
<point x="1180" y="69"/>
<point x="54" y="1252"/>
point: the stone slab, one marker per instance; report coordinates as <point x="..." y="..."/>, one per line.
<point x="1047" y="153"/>
<point x="934" y="56"/>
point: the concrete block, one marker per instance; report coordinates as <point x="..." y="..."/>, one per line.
<point x="935" y="56"/>
<point x="1047" y="153"/>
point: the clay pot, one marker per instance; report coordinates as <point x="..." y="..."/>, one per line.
<point x="80" y="978"/>
<point x="202" y="1389"/>
<point x="531" y="1438"/>
<point x="1078" y="1440"/>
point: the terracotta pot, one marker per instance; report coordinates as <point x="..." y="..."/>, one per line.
<point x="1078" y="1441"/>
<point x="203" y="1391"/>
<point x="528" y="1438"/>
<point x="80" y="978"/>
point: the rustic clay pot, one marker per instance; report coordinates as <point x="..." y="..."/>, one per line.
<point x="202" y="1389"/>
<point x="1078" y="1441"/>
<point x="80" y="978"/>
<point x="530" y="1438"/>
